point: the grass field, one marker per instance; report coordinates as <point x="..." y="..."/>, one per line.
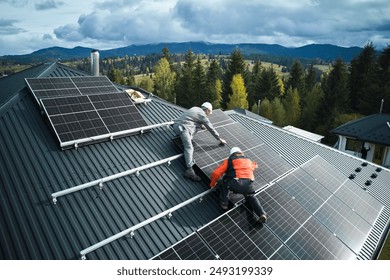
<point x="385" y="254"/>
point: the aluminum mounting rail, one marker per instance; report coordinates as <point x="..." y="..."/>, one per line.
<point x="113" y="177"/>
<point x="130" y="231"/>
<point x="111" y="136"/>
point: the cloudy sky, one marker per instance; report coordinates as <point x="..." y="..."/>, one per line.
<point x="27" y="25"/>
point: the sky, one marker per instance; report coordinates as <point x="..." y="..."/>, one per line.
<point x="27" y="25"/>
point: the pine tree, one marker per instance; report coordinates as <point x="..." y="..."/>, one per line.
<point x="312" y="100"/>
<point x="266" y="109"/>
<point x="199" y="82"/>
<point x="365" y="86"/>
<point x="185" y="92"/>
<point x="310" y="79"/>
<point x="254" y="77"/>
<point x="384" y="74"/>
<point x="292" y="106"/>
<point x="238" y="98"/>
<point x="217" y="94"/>
<point x="235" y="66"/>
<point x="214" y="86"/>
<point x="335" y="100"/>
<point x="278" y="112"/>
<point x="267" y="85"/>
<point x="297" y="77"/>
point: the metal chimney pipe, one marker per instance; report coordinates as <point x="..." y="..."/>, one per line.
<point x="95" y="63"/>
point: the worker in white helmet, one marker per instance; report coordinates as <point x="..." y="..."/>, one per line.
<point x="187" y="125"/>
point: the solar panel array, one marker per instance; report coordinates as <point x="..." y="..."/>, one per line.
<point x="314" y="211"/>
<point x="306" y="221"/>
<point x="85" y="109"/>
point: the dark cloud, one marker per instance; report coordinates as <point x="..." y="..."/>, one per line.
<point x="15" y="3"/>
<point x="47" y="37"/>
<point x="48" y="4"/>
<point x="7" y="27"/>
<point x="290" y="23"/>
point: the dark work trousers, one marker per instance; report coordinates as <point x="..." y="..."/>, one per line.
<point x="241" y="186"/>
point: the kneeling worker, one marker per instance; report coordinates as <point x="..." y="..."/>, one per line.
<point x="238" y="178"/>
<point x="187" y="125"/>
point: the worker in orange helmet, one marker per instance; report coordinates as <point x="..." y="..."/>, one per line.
<point x="238" y="178"/>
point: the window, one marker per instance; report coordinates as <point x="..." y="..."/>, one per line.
<point x="353" y="145"/>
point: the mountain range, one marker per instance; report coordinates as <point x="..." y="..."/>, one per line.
<point x="324" y="52"/>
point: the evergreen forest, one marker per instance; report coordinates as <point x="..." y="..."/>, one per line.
<point x="300" y="95"/>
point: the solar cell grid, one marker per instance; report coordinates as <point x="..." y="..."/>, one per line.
<point x="169" y="254"/>
<point x="283" y="253"/>
<point x="190" y="248"/>
<point x="37" y="84"/>
<point x="285" y="214"/>
<point x="229" y="241"/>
<point x="344" y="223"/>
<point x="312" y="241"/>
<point x="218" y="118"/>
<point x="360" y="201"/>
<point x="325" y="173"/>
<point x="77" y="117"/>
<point x="69" y="86"/>
<point x="264" y="240"/>
<point x="67" y="105"/>
<point x="305" y="189"/>
<point x="78" y="126"/>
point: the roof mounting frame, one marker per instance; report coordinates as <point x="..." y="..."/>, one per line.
<point x="112" y="136"/>
<point x="100" y="181"/>
<point x="132" y="229"/>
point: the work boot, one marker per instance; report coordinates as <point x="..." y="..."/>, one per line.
<point x="263" y="218"/>
<point x="224" y="205"/>
<point x="190" y="173"/>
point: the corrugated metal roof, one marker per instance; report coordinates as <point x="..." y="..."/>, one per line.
<point x="33" y="166"/>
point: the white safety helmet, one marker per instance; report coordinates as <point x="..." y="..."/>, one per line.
<point x="207" y="105"/>
<point x="235" y="150"/>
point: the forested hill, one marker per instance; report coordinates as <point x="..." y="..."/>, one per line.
<point x="323" y="52"/>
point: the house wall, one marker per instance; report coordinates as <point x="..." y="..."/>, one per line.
<point x="370" y="154"/>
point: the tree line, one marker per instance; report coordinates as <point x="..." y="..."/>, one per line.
<point x="307" y="98"/>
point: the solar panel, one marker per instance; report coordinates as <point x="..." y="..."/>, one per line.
<point x="313" y="241"/>
<point x="82" y="117"/>
<point x="218" y="118"/>
<point x="305" y="189"/>
<point x="342" y="208"/>
<point x="360" y="201"/>
<point x="190" y="248"/>
<point x="346" y="190"/>
<point x="117" y="111"/>
<point x="229" y="241"/>
<point x="297" y="228"/>
<point x="69" y="86"/>
<point x="344" y="223"/>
